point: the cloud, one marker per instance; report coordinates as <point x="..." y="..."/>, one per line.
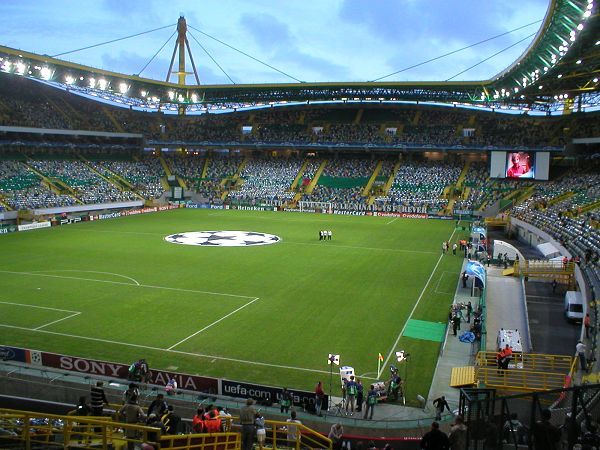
<point x="276" y="40"/>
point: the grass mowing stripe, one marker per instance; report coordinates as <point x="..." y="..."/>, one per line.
<point x="387" y="359"/>
<point x="396" y="250"/>
<point x="212" y="324"/>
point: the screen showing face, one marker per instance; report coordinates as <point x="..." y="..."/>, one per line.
<point x="520" y="165"/>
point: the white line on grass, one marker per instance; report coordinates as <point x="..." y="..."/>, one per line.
<point x="56" y="321"/>
<point x="87" y="271"/>
<point x="222" y="358"/>
<point x="385" y="363"/>
<point x="127" y="284"/>
<point x="438" y="283"/>
<point x="397" y="250"/>
<point x="40" y="307"/>
<point x="214" y="323"/>
<point x="392" y="221"/>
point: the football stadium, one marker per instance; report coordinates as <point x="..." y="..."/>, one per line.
<point x="317" y="265"/>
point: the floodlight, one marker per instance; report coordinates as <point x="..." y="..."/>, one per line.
<point x="123" y="88"/>
<point x="578" y="61"/>
<point x="540" y="87"/>
<point x="69" y="79"/>
<point x="45" y="73"/>
<point x="102" y="83"/>
<point x="6" y="65"/>
<point x="580" y="27"/>
<point x="20" y="68"/>
<point x="144" y="93"/>
<point x="92" y="82"/>
<point x="171" y="95"/>
<point x="180" y="98"/>
<point x="194" y="98"/>
<point x="587" y="14"/>
<point x="595" y="80"/>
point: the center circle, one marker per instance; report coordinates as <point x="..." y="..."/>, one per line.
<point x="223" y="238"/>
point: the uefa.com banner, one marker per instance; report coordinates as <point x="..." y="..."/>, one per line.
<point x="263" y="394"/>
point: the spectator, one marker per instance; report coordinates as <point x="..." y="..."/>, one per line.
<point x="435" y="439"/>
<point x="458" y="434"/>
<point x="545" y="435"/>
<point x="247" y="417"/>
<point x="98" y="398"/>
<point x="292" y="430"/>
<point x="133" y="414"/>
<point x="335" y="434"/>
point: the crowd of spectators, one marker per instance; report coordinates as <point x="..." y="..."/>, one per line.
<point x="86" y="184"/>
<point x="349" y="168"/>
<point x="187" y="166"/>
<point x="420" y="184"/>
<point x="476" y="186"/>
<point x="576" y="230"/>
<point x="349" y="199"/>
<point x="29" y="103"/>
<point x="21" y="188"/>
<point x="267" y="179"/>
<point x="143" y="175"/>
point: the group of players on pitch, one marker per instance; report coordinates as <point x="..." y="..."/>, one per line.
<point x="325" y="235"/>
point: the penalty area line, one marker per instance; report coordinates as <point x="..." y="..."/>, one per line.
<point x="56" y="321"/>
<point x="212" y="324"/>
<point x="177" y="352"/>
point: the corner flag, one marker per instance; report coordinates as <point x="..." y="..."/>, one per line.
<point x="379" y="360"/>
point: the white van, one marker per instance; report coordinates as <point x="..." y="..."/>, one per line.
<point x="573" y="306"/>
<point x="510" y="337"/>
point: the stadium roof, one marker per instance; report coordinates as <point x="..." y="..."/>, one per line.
<point x="559" y="70"/>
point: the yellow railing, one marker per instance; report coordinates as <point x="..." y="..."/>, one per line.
<point x="533" y="266"/>
<point x="526" y="372"/>
<point x="518" y="380"/>
<point x="31" y="429"/>
<point x="277" y="436"/>
<point x="530" y="361"/>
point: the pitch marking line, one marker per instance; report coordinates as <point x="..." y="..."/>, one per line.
<point x="222" y="358"/>
<point x="392" y="221"/>
<point x="214" y="323"/>
<point x="387" y="359"/>
<point x="121" y="283"/>
<point x="438" y="283"/>
<point x="73" y="313"/>
<point x="88" y="271"/>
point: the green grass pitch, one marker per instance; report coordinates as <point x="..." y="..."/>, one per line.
<point x="116" y="290"/>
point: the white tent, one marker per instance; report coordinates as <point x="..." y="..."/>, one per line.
<point x="548" y="250"/>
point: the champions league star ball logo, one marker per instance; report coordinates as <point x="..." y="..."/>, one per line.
<point x="223" y="238"/>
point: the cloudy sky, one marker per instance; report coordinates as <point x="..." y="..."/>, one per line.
<point x="309" y="40"/>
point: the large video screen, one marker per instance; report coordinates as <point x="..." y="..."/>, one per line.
<point x="520" y="165"/>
